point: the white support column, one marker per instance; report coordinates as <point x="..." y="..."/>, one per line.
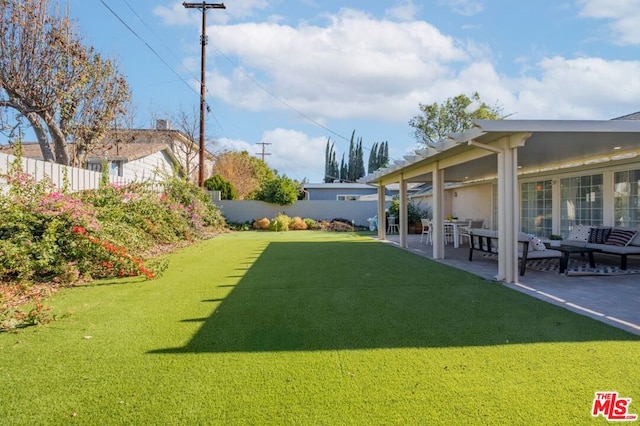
<point x="382" y="222"/>
<point x="438" y="212"/>
<point x="404" y="201"/>
<point x="508" y="209"/>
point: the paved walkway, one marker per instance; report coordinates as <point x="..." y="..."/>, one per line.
<point x="614" y="300"/>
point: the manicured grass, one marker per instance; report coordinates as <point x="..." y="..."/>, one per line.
<point x="310" y="328"/>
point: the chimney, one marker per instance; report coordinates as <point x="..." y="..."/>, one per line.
<point x="163" y="125"/>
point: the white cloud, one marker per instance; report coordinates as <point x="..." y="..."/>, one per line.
<point x="177" y="14"/>
<point x="290" y="151"/>
<point x="582" y="88"/>
<point x="355" y="66"/>
<point x="405" y="11"/>
<point x="463" y="7"/>
<point x="624" y="17"/>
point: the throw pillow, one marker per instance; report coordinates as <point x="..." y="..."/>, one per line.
<point x="579" y="233"/>
<point x="620" y="237"/>
<point x="599" y="235"/>
<point x="536" y="243"/>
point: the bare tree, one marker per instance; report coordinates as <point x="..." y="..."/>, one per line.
<point x="187" y="121"/>
<point x="63" y="88"/>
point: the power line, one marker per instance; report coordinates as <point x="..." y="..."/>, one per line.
<point x="174" y="57"/>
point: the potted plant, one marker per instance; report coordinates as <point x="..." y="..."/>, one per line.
<point x="555" y="240"/>
<point x="415" y="212"/>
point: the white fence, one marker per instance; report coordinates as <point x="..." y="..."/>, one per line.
<point x="78" y="179"/>
<point x="247" y="211"/>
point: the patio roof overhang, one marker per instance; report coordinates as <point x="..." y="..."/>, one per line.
<point x="503" y="150"/>
<point x="551" y="144"/>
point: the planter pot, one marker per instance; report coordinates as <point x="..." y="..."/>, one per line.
<point x="555" y="243"/>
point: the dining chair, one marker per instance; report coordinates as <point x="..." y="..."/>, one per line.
<point x="449" y="232"/>
<point x="465" y="231"/>
<point x="426" y="230"/>
<point x="392" y="226"/>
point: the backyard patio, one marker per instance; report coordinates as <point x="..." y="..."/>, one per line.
<point x="612" y="299"/>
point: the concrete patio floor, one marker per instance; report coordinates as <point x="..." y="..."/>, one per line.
<point x="614" y="300"/>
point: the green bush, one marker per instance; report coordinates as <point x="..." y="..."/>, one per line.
<point x="280" y="223"/>
<point x="279" y="190"/>
<point x="218" y="183"/>
<point x="415" y="211"/>
<point x="311" y="223"/>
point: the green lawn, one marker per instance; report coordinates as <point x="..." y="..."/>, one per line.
<point x="310" y="328"/>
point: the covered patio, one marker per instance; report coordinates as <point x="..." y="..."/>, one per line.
<point x="503" y="152"/>
<point x="611" y="299"/>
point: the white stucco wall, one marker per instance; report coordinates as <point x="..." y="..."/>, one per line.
<point x="247" y="211"/>
<point x="145" y="168"/>
<point x="472" y="202"/>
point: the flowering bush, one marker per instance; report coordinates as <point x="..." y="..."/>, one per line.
<point x="50" y="236"/>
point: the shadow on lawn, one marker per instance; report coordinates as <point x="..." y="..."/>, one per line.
<point x="360" y="295"/>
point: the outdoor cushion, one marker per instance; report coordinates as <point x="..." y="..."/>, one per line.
<point x="580" y="233"/>
<point x="599" y="235"/>
<point x="536" y="244"/>
<point x="620" y="237"/>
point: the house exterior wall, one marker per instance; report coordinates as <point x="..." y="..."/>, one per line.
<point x="472" y="202"/>
<point x="146" y="168"/>
<point x="247" y="211"/>
<point x="331" y="194"/>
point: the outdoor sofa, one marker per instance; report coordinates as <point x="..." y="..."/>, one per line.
<point x="529" y="246"/>
<point x="619" y="241"/>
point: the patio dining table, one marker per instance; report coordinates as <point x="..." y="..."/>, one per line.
<point x="455" y="224"/>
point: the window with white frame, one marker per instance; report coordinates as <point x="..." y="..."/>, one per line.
<point x="581" y="201"/>
<point x="536" y="207"/>
<point x="347" y="197"/>
<point x="627" y="198"/>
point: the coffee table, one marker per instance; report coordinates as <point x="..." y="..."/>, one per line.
<point x="569" y="250"/>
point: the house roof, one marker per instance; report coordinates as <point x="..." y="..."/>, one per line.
<point x="126" y="145"/>
<point x="551" y="144"/>
<point x="123" y="151"/>
<point x="632" y="116"/>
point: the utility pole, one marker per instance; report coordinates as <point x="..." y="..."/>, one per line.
<point x="263" y="153"/>
<point x="204" y="6"/>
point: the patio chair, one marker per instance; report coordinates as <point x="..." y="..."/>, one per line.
<point x="426" y="230"/>
<point x="392" y="225"/>
<point x="465" y="231"/>
<point x="449" y="232"/>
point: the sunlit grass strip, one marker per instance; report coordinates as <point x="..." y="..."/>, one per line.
<point x="310" y="328"/>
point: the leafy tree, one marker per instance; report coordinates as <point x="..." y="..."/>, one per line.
<point x="244" y="172"/>
<point x="48" y="76"/>
<point x="217" y="183"/>
<point x="279" y="190"/>
<point x="452" y="116"/>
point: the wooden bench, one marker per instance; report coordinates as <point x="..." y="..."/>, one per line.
<point x="486" y="240"/>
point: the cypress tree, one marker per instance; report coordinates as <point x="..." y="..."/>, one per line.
<point x="373" y="159"/>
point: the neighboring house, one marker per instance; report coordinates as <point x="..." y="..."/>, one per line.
<point x="138" y="154"/>
<point x="537" y="176"/>
<point x="346" y="192"/>
<point x="132" y="161"/>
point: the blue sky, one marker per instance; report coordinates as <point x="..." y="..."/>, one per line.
<point x="294" y="73"/>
